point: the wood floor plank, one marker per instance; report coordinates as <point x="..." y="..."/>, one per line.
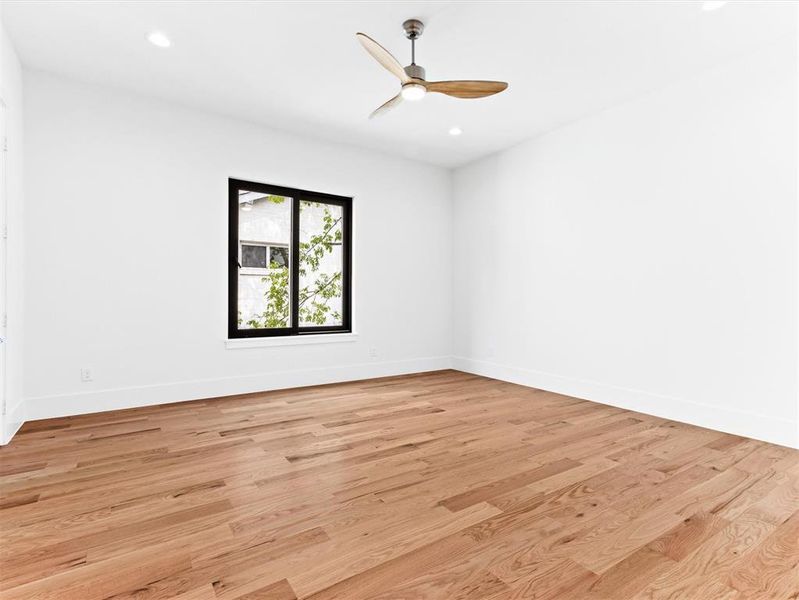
<point x="704" y="571"/>
<point x="688" y="535"/>
<point x="205" y="592"/>
<point x="772" y="569"/>
<point x="630" y="575"/>
<point x="497" y="488"/>
<point x="563" y="580"/>
<point x="434" y="486"/>
<point x="280" y="590"/>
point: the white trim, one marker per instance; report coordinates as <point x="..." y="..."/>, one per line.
<point x="735" y="421"/>
<point x="12" y="422"/>
<point x="45" y="407"/>
<point x="728" y="420"/>
<point x="290" y="340"/>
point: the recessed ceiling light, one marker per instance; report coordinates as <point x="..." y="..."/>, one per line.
<point x="455" y="131"/>
<point x="158" y="38"/>
<point x="713" y="4"/>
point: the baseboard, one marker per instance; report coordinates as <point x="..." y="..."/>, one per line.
<point x="46" y="407"/>
<point x="12" y="421"/>
<point x="744" y="423"/>
<point x="738" y="422"/>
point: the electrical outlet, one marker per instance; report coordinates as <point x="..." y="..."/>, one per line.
<point x="373" y="352"/>
<point x="86" y="375"/>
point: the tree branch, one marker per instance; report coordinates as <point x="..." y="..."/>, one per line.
<point x="318" y="290"/>
<point x="324" y="233"/>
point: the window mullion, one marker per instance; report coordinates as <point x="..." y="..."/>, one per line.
<point x="295" y="265"/>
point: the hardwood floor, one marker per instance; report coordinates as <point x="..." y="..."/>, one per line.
<point x="440" y="485"/>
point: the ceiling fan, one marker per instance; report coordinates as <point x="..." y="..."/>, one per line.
<point x="414" y="85"/>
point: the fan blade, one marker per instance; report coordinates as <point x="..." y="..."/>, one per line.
<point x="384" y="108"/>
<point x="466" y="89"/>
<point x="383" y="56"/>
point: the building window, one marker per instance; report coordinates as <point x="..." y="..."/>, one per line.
<point x="290" y="261"/>
<point x="279" y="256"/>
<point x="254" y="256"/>
<point x="258" y="257"/>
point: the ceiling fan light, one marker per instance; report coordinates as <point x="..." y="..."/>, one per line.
<point x="246" y="206"/>
<point x="413" y="91"/>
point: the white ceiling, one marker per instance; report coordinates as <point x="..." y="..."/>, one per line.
<point x="298" y="67"/>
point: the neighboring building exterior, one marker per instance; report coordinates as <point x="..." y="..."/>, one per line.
<point x="264" y="236"/>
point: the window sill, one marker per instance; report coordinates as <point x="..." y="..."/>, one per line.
<point x="291" y="340"/>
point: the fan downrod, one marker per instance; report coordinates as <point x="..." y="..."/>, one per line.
<point x="413" y="30"/>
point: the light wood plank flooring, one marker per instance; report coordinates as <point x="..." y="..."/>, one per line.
<point x="439" y="485"/>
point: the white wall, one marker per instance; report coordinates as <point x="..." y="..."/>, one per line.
<point x="11" y="96"/>
<point x="645" y="257"/>
<point x="126" y="242"/>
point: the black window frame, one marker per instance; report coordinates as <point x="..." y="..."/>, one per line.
<point x="297" y="196"/>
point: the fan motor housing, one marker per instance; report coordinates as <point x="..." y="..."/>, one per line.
<point x="413" y="28"/>
<point x="415" y="71"/>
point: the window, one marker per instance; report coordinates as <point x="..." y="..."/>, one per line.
<point x="290" y="261"/>
<point x="253" y="257"/>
